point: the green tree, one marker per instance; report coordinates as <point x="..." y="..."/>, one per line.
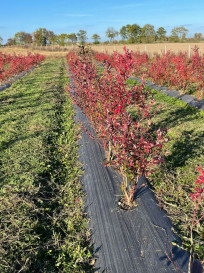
<point x="161" y="33"/>
<point x="53" y="39"/>
<point x="111" y="33"/>
<point x="10" y="42"/>
<point x="82" y="36"/>
<point x="179" y="32"/>
<point x="19" y="38"/>
<point x="133" y="33"/>
<point x="96" y="38"/>
<point x="198" y="36"/>
<point x="62" y="39"/>
<point x="50" y="36"/>
<point x="72" y="37"/>
<point x="28" y="39"/>
<point x="1" y="40"/>
<point x="123" y="33"/>
<point x="148" y="33"/>
<point x="40" y="37"/>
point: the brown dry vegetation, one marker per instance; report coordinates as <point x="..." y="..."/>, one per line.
<point x="150" y="49"/>
<point x="48" y="52"/>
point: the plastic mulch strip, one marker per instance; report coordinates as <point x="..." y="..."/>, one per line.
<point x="174" y="93"/>
<point x="15" y="78"/>
<point x="125" y="241"/>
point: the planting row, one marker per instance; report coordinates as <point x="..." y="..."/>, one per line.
<point x="11" y="65"/>
<point x="132" y="144"/>
<point x="175" y="71"/>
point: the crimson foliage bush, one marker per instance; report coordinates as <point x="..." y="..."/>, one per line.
<point x="131" y="144"/>
<point x="11" y="65"/>
<point x="175" y="71"/>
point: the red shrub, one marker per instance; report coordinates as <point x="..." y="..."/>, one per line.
<point x="13" y="65"/>
<point x="131" y="145"/>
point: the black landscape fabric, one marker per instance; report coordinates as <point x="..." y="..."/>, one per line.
<point x="14" y="79"/>
<point x="174" y="94"/>
<point x="124" y="241"/>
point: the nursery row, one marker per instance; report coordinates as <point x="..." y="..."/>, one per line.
<point x="11" y="65"/>
<point x="131" y="145"/>
<point x="125" y="118"/>
<point x="175" y="71"/>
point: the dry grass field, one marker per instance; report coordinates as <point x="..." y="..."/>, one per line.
<point x="24" y="51"/>
<point x="150" y="49"/>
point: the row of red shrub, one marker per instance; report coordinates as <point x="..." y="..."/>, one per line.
<point x="11" y="65"/>
<point x="175" y="71"/>
<point x="131" y="144"/>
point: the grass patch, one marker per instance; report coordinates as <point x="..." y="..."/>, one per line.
<point x="175" y="180"/>
<point x="100" y="69"/>
<point x="42" y="224"/>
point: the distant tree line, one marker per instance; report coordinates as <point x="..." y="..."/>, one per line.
<point x="129" y="34"/>
<point x="147" y="34"/>
<point x="42" y="37"/>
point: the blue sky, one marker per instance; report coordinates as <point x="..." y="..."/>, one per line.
<point x="64" y="16"/>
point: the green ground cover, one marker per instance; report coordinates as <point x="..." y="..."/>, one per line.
<point x="42" y="224"/>
<point x="175" y="180"/>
